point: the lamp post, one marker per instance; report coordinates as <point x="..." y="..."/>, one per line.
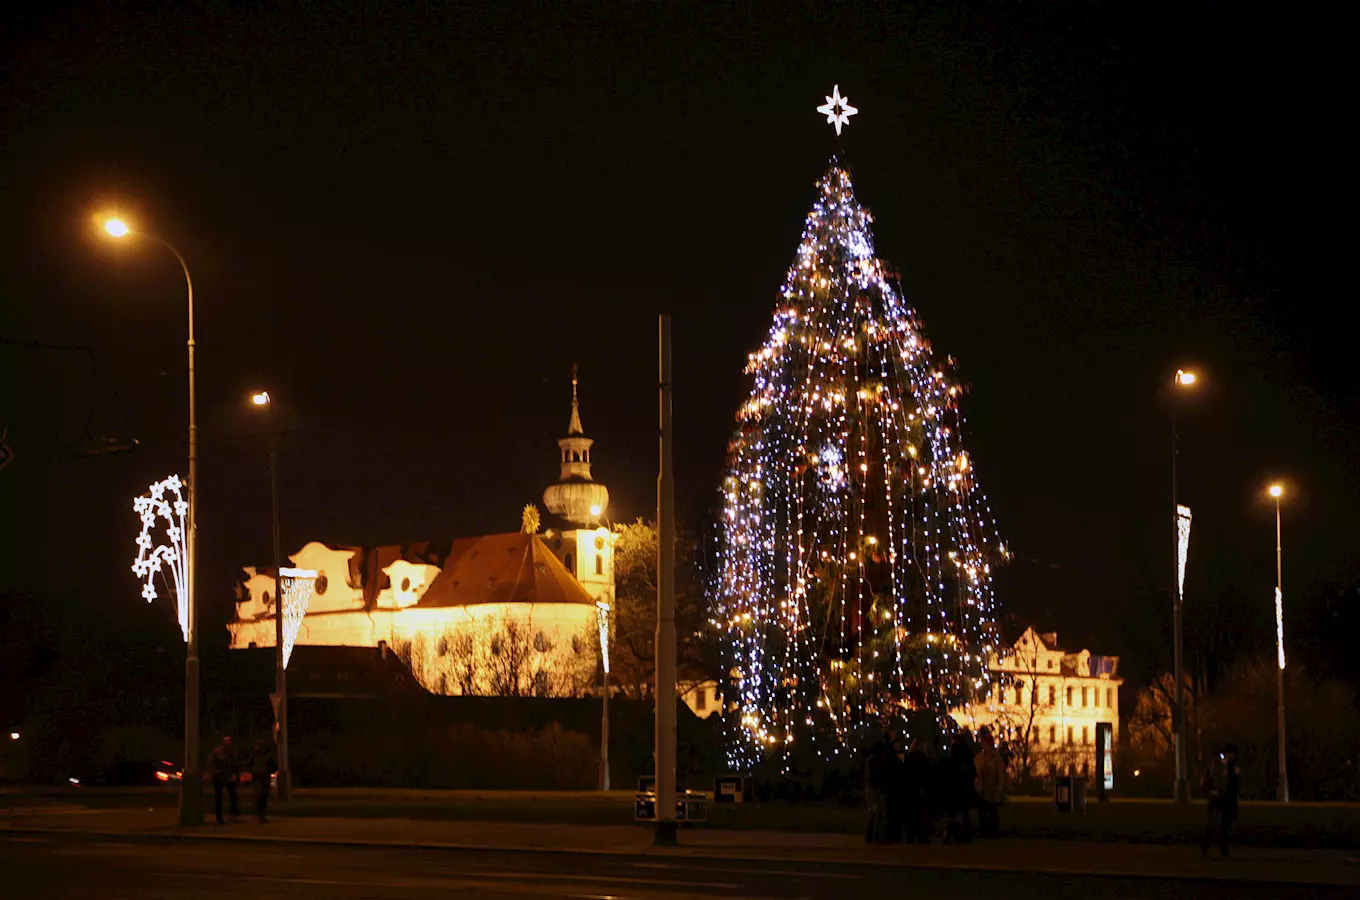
<point x="1183" y="381"/>
<point x="603" y="608"/>
<point x="1276" y="491"/>
<point x="285" y="778"/>
<point x="191" y="783"/>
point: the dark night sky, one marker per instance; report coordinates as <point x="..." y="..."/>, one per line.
<point x="408" y="225"/>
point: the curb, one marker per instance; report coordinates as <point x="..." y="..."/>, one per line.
<point x="680" y="852"/>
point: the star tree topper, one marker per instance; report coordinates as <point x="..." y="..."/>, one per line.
<point x="837" y="109"/>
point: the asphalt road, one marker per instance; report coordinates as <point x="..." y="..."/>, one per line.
<point x="69" y="867"/>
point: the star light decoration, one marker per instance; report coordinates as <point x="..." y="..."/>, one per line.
<point x="164" y="503"/>
<point x="856" y="547"/>
<point x="837" y="109"/>
<point x="295" y="588"/>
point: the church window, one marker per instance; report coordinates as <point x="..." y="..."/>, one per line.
<point x="321" y="583"/>
<point x="1018" y="689"/>
<point x="1085" y="734"/>
<point x="599" y="543"/>
<point x="1069" y="735"/>
<point x="405" y="584"/>
<point x="1085" y="694"/>
<point x="1052" y="695"/>
<point x="599" y="563"/>
<point x="1069" y="696"/>
<point x="1109" y="697"/>
<point x="1053" y="734"/>
<point x="701" y="699"/>
<point x="566" y="561"/>
<point x="267" y="600"/>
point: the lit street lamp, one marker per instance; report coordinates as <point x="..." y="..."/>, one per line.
<point x="1282" y="788"/>
<point x="285" y="779"/>
<point x="191" y="784"/>
<point x="1183" y="381"/>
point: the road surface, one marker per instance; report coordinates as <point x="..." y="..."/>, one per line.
<point x="74" y="867"/>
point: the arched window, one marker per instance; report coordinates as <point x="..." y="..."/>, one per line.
<point x="599" y="563"/>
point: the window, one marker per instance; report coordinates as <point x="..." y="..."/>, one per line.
<point x="1085" y="734"/>
<point x="1018" y="689"/>
<point x="1052" y="695"/>
<point x="1085" y="697"/>
<point x="1069" y="735"/>
<point x="1053" y="734"/>
<point x="599" y="563"/>
<point x="322" y="582"/>
<point x="1109" y="697"/>
<point x="1069" y="696"/>
<point x="267" y="600"/>
<point x="701" y="698"/>
<point x="405" y="584"/>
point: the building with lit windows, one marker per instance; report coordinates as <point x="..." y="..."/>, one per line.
<point x="501" y="614"/>
<point x="1051" y="698"/>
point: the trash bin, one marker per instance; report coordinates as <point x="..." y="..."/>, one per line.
<point x="1069" y="793"/>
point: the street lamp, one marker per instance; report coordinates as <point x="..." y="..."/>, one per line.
<point x="1184" y="380"/>
<point x="285" y="778"/>
<point x="1276" y="491"/>
<point x="191" y="784"/>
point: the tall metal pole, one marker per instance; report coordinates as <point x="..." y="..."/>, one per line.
<point x="191" y="781"/>
<point x="665" y="606"/>
<point x="285" y="787"/>
<point x="1282" y="789"/>
<point x="1181" y="789"/>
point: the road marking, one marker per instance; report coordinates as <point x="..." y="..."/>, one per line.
<point x="744" y="871"/>
<point x="601" y="878"/>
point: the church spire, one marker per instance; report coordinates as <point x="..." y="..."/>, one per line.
<point x="576" y="497"/>
<point x="574" y="426"/>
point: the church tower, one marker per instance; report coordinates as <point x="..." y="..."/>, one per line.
<point x="585" y="546"/>
<point x="576" y="497"/>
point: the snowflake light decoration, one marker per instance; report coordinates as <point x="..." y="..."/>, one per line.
<point x="295" y="588"/>
<point x="837" y="109"/>
<point x="164" y="502"/>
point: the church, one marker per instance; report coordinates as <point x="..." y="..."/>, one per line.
<point x="518" y="614"/>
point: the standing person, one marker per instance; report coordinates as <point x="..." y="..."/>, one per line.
<point x="1222" y="784"/>
<point x="222" y="765"/>
<point x="917" y="778"/>
<point x="875" y="794"/>
<point x="263" y="765"/>
<point x="958" y="776"/>
<point x="990" y="784"/>
<point x="896" y="790"/>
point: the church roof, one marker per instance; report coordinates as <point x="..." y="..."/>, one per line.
<point x="503" y="568"/>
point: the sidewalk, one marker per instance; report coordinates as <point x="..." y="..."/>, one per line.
<point x="1088" y="858"/>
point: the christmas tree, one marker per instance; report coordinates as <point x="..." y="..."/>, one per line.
<point x="856" y="547"/>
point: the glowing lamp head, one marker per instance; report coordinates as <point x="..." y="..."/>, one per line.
<point x="14" y="735"/>
<point x="596" y="510"/>
<point x="260" y="399"/>
<point x="117" y="227"/>
<point x="1184" y="378"/>
<point x="1276" y="491"/>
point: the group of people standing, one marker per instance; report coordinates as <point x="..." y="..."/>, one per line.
<point x="226" y="765"/>
<point x="909" y="792"/>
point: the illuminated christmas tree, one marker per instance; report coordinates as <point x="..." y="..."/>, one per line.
<point x="856" y="547"/>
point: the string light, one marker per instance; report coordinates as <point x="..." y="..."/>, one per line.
<point x="164" y="503"/>
<point x="295" y="593"/>
<point x="855" y="549"/>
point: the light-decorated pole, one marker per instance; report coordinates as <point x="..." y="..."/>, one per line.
<point x="665" y="832"/>
<point x="602" y="611"/>
<point x="191" y="783"/>
<point x="263" y="400"/>
<point x="1184" y="380"/>
<point x="1276" y="491"/>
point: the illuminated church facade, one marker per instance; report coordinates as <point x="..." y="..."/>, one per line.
<point x="517" y="614"/>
